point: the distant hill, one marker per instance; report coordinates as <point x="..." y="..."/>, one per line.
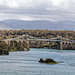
<point x="38" y="24"/>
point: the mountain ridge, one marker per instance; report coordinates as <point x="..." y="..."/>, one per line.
<point x="38" y="24"/>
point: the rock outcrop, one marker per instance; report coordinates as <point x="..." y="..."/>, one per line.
<point x="48" y="61"/>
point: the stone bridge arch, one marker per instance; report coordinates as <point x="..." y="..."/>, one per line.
<point x="65" y="44"/>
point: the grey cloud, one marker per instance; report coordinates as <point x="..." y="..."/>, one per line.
<point x="38" y="9"/>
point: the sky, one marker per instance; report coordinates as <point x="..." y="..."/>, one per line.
<point x="52" y="10"/>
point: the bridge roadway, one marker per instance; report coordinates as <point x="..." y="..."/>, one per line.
<point x="15" y="39"/>
<point x="30" y="40"/>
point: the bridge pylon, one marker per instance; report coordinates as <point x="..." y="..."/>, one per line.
<point x="60" y="47"/>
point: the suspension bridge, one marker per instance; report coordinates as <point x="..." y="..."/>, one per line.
<point x="63" y="42"/>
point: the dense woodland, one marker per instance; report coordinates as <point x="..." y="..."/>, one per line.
<point x="5" y="34"/>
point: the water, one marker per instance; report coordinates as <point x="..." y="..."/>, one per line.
<point x="26" y="63"/>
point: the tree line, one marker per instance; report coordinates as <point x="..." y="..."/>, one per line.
<point x="44" y="34"/>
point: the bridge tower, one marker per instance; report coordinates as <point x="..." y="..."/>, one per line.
<point x="27" y="45"/>
<point x="60" y="45"/>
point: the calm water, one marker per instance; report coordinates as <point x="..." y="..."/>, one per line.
<point x="26" y="63"/>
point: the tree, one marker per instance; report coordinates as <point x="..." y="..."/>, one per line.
<point x="3" y="48"/>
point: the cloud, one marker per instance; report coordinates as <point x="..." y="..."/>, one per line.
<point x="8" y="3"/>
<point x="37" y="9"/>
<point x="35" y="4"/>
